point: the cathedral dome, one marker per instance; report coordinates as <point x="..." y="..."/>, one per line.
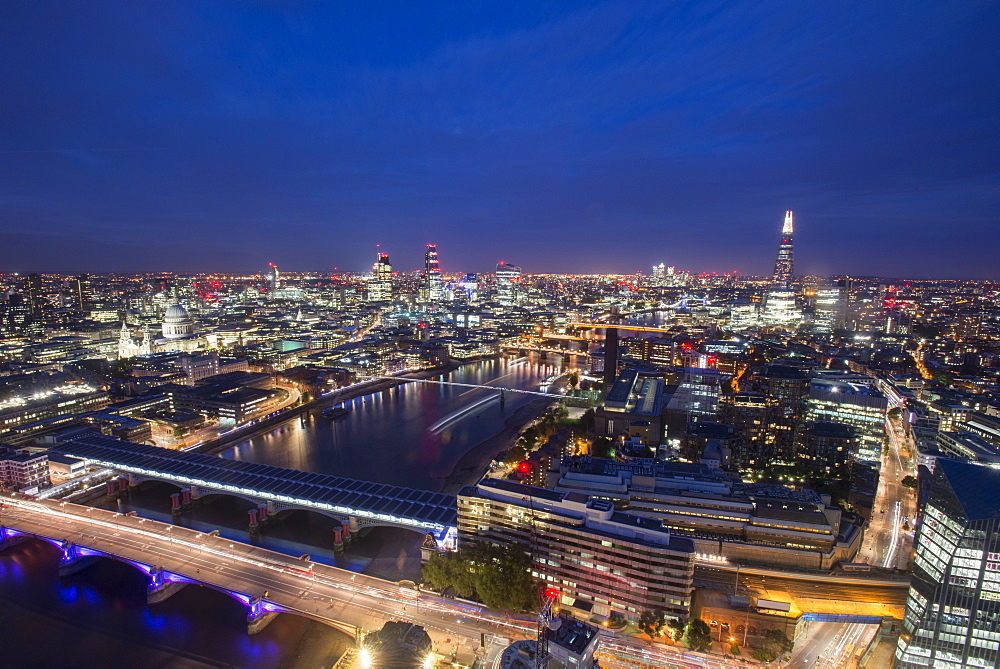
<point x="176" y="323"/>
<point x="175" y="313"/>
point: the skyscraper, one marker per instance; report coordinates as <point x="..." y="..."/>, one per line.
<point x="953" y="607"/>
<point x="34" y="294"/>
<point x="779" y="306"/>
<point x="784" y="264"/>
<point x="432" y="284"/>
<point x="380" y="285"/>
<point x="507" y="278"/>
<point x="80" y="287"/>
<point x="273" y="277"/>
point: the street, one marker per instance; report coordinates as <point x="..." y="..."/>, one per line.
<point x="887" y="544"/>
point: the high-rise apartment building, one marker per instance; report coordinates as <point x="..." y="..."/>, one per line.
<point x="600" y="560"/>
<point x="952" y="615"/>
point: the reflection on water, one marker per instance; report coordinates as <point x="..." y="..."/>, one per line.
<point x="99" y="617"/>
<point x="411" y="435"/>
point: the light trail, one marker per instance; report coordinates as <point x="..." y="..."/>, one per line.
<point x="456" y="416"/>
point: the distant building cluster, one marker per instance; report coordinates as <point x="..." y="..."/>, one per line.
<point x="721" y="419"/>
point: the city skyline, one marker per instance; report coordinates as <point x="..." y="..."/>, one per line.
<point x="304" y="136"/>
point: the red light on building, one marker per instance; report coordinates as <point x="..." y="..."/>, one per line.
<point x="551" y="593"/>
<point x="524" y="467"/>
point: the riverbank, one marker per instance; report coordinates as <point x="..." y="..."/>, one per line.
<point x="216" y="446"/>
<point x="471" y="466"/>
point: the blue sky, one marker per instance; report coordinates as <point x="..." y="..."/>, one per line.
<point x="601" y="136"/>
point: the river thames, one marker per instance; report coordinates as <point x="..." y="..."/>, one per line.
<point x="413" y="435"/>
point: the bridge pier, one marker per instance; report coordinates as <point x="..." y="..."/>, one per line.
<point x="254" y="525"/>
<point x="186" y="499"/>
<point x="10" y="538"/>
<point x="196" y="495"/>
<point x="72" y="561"/>
<point x="258" y="616"/>
<point x="262" y="516"/>
<point x="175" y="504"/>
<point x="338" y="539"/>
<point x="160" y="589"/>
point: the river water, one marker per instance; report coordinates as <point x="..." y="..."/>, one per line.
<point x="410" y="436"/>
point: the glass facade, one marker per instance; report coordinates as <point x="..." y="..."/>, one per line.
<point x="952" y="617"/>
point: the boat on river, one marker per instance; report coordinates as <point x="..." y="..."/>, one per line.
<point x="335" y="412"/>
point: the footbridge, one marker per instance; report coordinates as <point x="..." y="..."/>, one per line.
<point x="273" y="489"/>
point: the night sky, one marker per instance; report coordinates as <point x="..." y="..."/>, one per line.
<point x="562" y="137"/>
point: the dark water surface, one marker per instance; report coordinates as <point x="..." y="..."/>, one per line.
<point x="412" y="436"/>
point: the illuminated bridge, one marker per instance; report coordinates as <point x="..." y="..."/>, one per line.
<point x="361" y="503"/>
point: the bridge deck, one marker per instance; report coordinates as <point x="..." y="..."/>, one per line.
<point x="332" y="493"/>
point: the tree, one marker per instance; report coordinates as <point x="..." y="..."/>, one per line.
<point x="775" y="643"/>
<point x="941" y="378"/>
<point x="574" y="380"/>
<point x="449" y="570"/>
<point x="894" y="413"/>
<point x="698" y="635"/>
<point x="909" y="481"/>
<point x="650" y="622"/>
<point x="675" y="629"/>
<point x="734" y="649"/>
<point x="503" y="578"/>
<point x="602" y="447"/>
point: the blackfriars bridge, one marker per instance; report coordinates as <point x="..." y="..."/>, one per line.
<point x="355" y="503"/>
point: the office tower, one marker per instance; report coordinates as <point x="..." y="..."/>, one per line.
<point x="831" y="306"/>
<point x="81" y="292"/>
<point x="469" y="287"/>
<point x="953" y="607"/>
<point x="508" y="277"/>
<point x="780" y="303"/>
<point x="658" y="274"/>
<point x="33" y="293"/>
<point x="380" y="284"/>
<point x="859" y="406"/>
<point x="432" y="288"/>
<point x="273" y="277"/>
<point x="601" y="561"/>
